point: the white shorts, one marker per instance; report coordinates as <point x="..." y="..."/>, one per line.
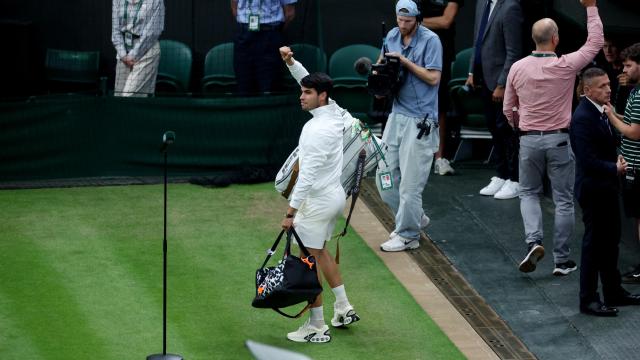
<point x="316" y="218"/>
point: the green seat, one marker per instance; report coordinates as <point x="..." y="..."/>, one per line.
<point x="467" y="105"/>
<point x="349" y="87"/>
<point x="219" y="76"/>
<point x="460" y="67"/>
<point x="312" y="57"/>
<point x="69" y="70"/>
<point x="341" y="64"/>
<point x="174" y="71"/>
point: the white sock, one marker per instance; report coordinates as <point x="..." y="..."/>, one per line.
<point x="341" y="295"/>
<point x="317" y="317"/>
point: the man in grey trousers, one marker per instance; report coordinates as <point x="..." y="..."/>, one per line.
<point x="538" y="101"/>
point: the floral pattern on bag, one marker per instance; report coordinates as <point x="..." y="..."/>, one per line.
<point x="269" y="279"/>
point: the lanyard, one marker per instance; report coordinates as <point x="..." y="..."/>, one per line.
<point x="126" y="13"/>
<point x="543" y="55"/>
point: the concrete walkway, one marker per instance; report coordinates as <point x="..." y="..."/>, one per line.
<point x="482" y="239"/>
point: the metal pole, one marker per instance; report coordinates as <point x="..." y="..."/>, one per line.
<point x="164" y="267"/>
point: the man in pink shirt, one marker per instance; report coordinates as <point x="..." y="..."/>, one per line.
<point x="537" y="101"/>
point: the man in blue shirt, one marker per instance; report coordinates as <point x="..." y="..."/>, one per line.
<point x="411" y="132"/>
<point x="256" y="59"/>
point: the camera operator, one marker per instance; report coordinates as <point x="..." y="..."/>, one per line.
<point x="411" y="132"/>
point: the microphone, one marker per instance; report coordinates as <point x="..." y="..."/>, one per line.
<point x="167" y="139"/>
<point x="362" y="65"/>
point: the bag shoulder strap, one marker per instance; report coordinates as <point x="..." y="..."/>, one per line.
<point x="293" y="316"/>
<point x="272" y="251"/>
<point x="355" y="191"/>
<point x="293" y="232"/>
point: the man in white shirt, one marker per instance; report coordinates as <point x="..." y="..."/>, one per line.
<point x="318" y="197"/>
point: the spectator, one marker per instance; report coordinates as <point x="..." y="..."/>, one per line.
<point x="439" y="16"/>
<point x="260" y="24"/>
<point x="136" y="26"/>
<point x="497" y="44"/>
<point x="597" y="169"/>
<point x="629" y="127"/>
<point x="411" y="132"/>
<point x="620" y="85"/>
<point x="538" y="96"/>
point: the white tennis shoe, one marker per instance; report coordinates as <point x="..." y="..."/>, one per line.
<point x="309" y="333"/>
<point x="343" y="316"/>
<point x="424" y="222"/>
<point x="399" y="243"/>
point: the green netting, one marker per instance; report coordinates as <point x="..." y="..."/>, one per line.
<point x="74" y="136"/>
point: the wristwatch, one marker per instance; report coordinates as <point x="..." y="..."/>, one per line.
<point x="289" y="216"/>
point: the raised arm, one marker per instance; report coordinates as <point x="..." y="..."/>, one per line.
<point x="595" y="40"/>
<point x="295" y="67"/>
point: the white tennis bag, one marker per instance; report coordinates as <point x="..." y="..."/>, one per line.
<point x="355" y="138"/>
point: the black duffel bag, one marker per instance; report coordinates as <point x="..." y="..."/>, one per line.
<point x="292" y="281"/>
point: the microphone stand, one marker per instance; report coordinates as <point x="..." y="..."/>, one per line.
<point x="168" y="139"/>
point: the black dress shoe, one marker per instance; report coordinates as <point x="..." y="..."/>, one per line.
<point x="596" y="308"/>
<point x="625" y="299"/>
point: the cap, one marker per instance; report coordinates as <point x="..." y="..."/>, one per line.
<point x="408" y="5"/>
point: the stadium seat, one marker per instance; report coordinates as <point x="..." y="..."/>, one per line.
<point x="174" y="72"/>
<point x="349" y="87"/>
<point x="341" y="64"/>
<point x="72" y="70"/>
<point x="467" y="105"/>
<point x="219" y="76"/>
<point x="460" y="67"/>
<point x="312" y="57"/>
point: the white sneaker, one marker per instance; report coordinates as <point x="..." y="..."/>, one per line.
<point x="509" y="190"/>
<point x="442" y="167"/>
<point x="309" y="333"/>
<point x="424" y="222"/>
<point x="494" y="186"/>
<point x="399" y="243"/>
<point x="343" y="316"/>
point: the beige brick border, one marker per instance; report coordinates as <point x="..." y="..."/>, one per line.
<point x="426" y="294"/>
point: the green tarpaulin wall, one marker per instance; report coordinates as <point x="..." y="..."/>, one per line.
<point x="78" y="137"/>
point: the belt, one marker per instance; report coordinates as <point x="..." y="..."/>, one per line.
<point x="263" y="27"/>
<point x="546" y="132"/>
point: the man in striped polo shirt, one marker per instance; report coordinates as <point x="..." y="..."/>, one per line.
<point x="629" y="127"/>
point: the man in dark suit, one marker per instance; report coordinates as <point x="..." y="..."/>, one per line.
<point x="597" y="169"/>
<point x="497" y="45"/>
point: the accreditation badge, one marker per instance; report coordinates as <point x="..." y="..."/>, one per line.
<point x="254" y="22"/>
<point x="386" y="183"/>
<point x="128" y="39"/>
